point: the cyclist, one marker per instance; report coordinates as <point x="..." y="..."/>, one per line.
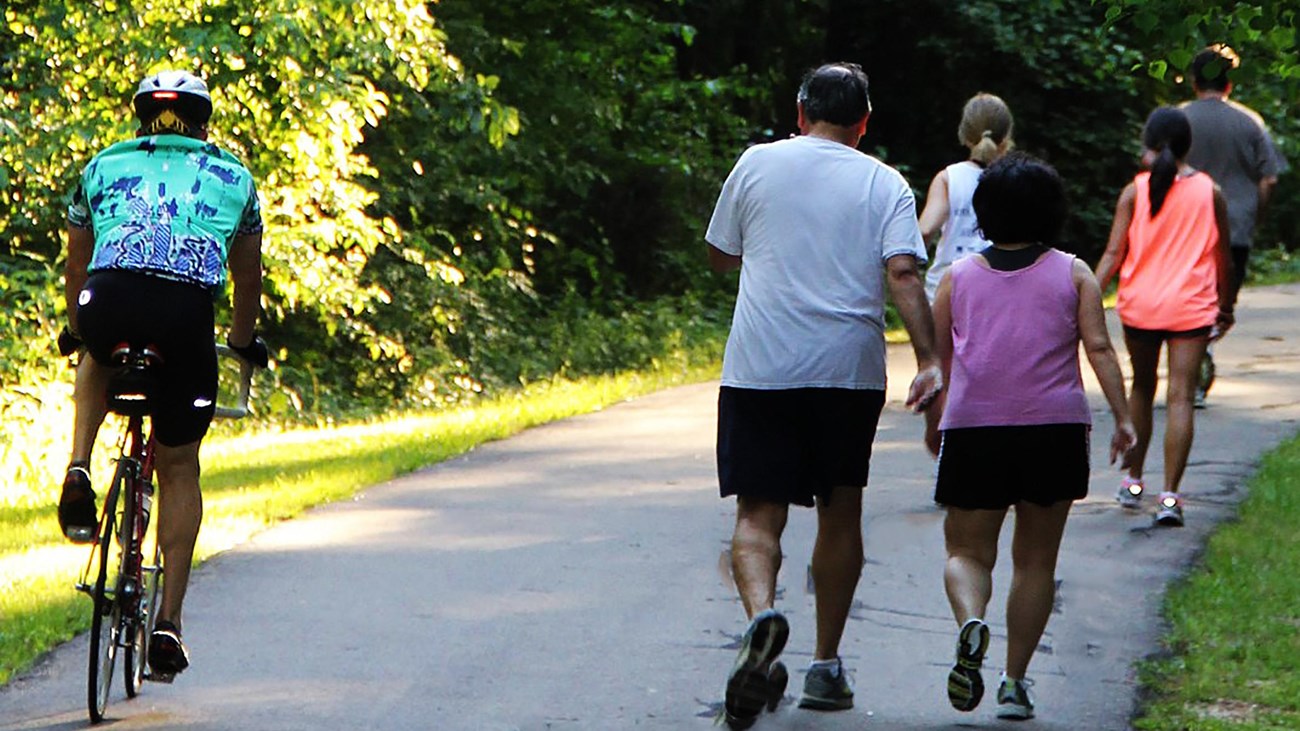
<point x="153" y="224"/>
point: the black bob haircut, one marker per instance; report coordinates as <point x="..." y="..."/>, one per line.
<point x="837" y="93"/>
<point x="1020" y="200"/>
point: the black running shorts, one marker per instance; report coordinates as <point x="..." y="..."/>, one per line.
<point x="791" y="446"/>
<point x="176" y="318"/>
<point x="993" y="467"/>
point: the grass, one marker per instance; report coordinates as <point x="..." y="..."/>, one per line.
<point x="1234" y="639"/>
<point x="254" y="480"/>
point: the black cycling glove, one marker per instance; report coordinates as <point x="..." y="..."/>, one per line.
<point x="69" y="342"/>
<point x="255" y="352"/>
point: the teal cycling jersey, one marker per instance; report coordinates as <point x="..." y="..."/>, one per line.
<point x="167" y="205"/>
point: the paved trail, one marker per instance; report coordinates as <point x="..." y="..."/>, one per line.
<point x="568" y="578"/>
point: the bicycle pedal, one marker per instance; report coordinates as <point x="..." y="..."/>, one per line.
<point x="160" y="677"/>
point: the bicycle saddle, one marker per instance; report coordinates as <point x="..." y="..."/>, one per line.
<point x="132" y="384"/>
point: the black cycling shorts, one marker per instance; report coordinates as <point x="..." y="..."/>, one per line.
<point x="176" y="318"/>
<point x="792" y="446"/>
<point x="993" y="467"/>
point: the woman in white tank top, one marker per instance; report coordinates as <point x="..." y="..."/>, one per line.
<point x="986" y="129"/>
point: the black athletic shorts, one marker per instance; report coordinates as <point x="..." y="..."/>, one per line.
<point x="176" y="318"/>
<point x="791" y="446"/>
<point x="993" y="467"/>
<point x="1156" y="337"/>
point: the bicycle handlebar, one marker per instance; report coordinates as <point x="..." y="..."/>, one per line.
<point x="240" y="409"/>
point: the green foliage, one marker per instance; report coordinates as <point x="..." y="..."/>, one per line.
<point x="1173" y="31"/>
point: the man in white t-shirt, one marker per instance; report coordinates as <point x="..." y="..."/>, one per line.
<point x="820" y="229"/>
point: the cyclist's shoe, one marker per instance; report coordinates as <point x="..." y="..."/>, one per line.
<point x="1014" y="700"/>
<point x="965" y="684"/>
<point x="748" y="685"/>
<point x="1130" y="493"/>
<point x="827" y="690"/>
<point x="167" y="654"/>
<point x="1170" y="512"/>
<point x="77" y="517"/>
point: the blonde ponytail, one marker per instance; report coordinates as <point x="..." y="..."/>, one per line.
<point x="985" y="127"/>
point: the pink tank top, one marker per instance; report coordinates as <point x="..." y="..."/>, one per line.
<point x="1015" y="338"/>
<point x="1169" y="277"/>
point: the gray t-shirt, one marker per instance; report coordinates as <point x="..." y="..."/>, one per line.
<point x="1232" y="144"/>
<point x="814" y="222"/>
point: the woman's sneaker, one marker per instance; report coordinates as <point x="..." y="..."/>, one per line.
<point x="748" y="685"/>
<point x="1170" y="512"/>
<point x="1130" y="493"/>
<point x="965" y="684"/>
<point x="1014" y="700"/>
<point x="825" y="689"/>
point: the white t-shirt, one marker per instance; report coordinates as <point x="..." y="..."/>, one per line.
<point x="961" y="232"/>
<point x="814" y="222"/>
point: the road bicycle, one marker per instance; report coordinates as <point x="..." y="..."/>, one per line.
<point x="123" y="575"/>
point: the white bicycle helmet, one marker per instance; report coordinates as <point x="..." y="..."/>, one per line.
<point x="180" y="91"/>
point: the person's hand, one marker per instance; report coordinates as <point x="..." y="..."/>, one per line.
<point x="254" y="352"/>
<point x="1122" y="442"/>
<point x="1223" y="322"/>
<point x="925" y="388"/>
<point x="69" y="342"/>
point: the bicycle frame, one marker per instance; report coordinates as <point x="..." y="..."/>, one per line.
<point x="122" y="578"/>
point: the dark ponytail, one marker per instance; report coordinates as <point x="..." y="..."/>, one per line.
<point x="1169" y="134"/>
<point x="1163" y="172"/>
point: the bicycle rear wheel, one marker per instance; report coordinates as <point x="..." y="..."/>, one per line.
<point x="107" y="609"/>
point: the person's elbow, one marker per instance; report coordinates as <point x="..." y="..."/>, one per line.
<point x="903" y="271"/>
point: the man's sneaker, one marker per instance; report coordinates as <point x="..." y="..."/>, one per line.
<point x="827" y="690"/>
<point x="1014" y="700"/>
<point x="1198" y="399"/>
<point x="1170" y="512"/>
<point x="965" y="684"/>
<point x="1130" y="493"/>
<point x="167" y="654"/>
<point x="77" y="517"/>
<point x="777" y="679"/>
<point x="748" y="687"/>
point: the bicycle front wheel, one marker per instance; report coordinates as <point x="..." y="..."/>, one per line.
<point x="105" y="595"/>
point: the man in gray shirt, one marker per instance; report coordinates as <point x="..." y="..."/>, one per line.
<point x="1231" y="143"/>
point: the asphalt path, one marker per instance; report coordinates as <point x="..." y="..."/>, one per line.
<point x="571" y="578"/>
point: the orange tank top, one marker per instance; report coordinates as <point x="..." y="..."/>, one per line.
<point x="1169" y="277"/>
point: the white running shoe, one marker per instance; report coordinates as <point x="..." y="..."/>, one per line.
<point x="1170" y="512"/>
<point x="1130" y="493"/>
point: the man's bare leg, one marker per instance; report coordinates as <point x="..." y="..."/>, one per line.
<point x="836" y="565"/>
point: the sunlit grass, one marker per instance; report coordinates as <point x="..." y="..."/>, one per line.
<point x="254" y="480"/>
<point x="1234" y="640"/>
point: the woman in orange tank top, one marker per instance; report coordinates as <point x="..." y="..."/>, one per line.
<point x="1169" y="243"/>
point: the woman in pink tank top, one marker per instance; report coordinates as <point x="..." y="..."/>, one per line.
<point x="1015" y="422"/>
<point x="1169" y="244"/>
